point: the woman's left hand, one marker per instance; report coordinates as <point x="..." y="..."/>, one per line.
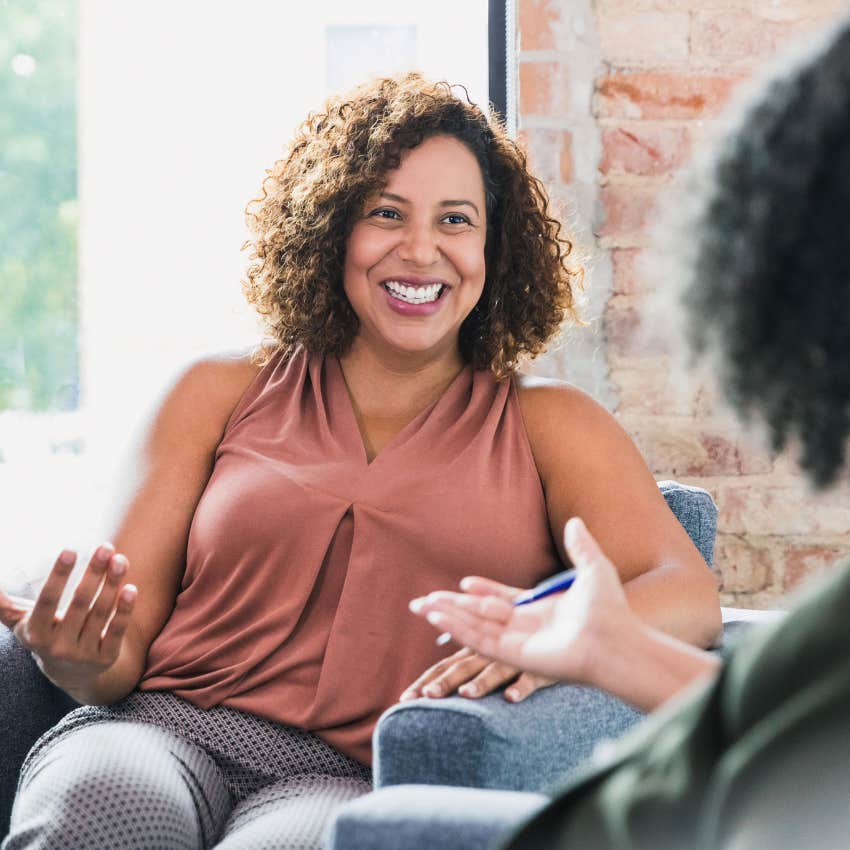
<point x="472" y="675"/>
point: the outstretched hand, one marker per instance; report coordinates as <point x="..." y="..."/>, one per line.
<point x="560" y="636"/>
<point x="80" y="643"/>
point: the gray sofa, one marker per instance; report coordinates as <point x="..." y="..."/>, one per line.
<point x="456" y="774"/>
<point x="504" y="756"/>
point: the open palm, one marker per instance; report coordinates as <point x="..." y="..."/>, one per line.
<point x="557" y="636"/>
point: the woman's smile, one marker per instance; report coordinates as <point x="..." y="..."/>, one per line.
<point x="411" y="296"/>
<point x="414" y="263"/>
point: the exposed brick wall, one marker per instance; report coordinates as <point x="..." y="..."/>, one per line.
<point x="613" y="97"/>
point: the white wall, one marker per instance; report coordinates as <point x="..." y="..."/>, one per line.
<point x="183" y="105"/>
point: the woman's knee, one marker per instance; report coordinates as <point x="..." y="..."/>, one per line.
<point x="119" y="785"/>
<point x="294" y="813"/>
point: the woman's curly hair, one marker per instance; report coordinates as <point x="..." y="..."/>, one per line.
<point x="768" y="276"/>
<point x="339" y="157"/>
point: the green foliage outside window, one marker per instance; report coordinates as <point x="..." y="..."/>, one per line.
<point x="39" y="363"/>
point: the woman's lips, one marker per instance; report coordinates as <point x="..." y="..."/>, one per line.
<point x="405" y="308"/>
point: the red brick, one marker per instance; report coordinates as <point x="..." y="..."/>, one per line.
<point x="744" y="564"/>
<point x="536" y="20"/>
<point x="627" y="336"/>
<point x="628" y="209"/>
<point x="770" y="508"/>
<point x="643" y="388"/>
<point x="626" y="7"/>
<point x="648" y="37"/>
<point x="566" y="157"/>
<point x="632" y="272"/>
<point x="542" y="89"/>
<point x="760" y="600"/>
<point x="725" y="454"/>
<point x="648" y="95"/>
<point x="804" y="562"/>
<point x="675" y="447"/>
<point x="624" y="279"/>
<point x="543" y="147"/>
<point x="647" y="151"/>
<point x="718" y="38"/>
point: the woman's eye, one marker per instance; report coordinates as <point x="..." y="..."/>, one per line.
<point x="393" y="215"/>
<point x="385" y="214"/>
<point x="462" y="219"/>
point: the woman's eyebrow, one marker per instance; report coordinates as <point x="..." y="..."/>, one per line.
<point x="398" y="198"/>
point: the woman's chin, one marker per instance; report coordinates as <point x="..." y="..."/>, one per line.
<point x="418" y="344"/>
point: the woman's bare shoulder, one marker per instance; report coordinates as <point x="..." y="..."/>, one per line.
<point x="203" y="393"/>
<point x="559" y="418"/>
<point x="558" y="403"/>
<point x="227" y="372"/>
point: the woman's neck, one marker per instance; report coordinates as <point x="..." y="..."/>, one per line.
<point x="399" y="385"/>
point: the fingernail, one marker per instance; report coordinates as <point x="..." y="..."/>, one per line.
<point x="464" y="583"/>
<point x="119" y="565"/>
<point x="433" y="618"/>
<point x="104" y="552"/>
<point x="67" y="557"/>
<point x="469" y="690"/>
<point x="416" y="605"/>
<point x="433" y="691"/>
<point x="512" y="694"/>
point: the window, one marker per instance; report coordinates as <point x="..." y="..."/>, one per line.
<point x="165" y="115"/>
<point x="39" y="358"/>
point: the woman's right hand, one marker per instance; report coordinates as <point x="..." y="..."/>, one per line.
<point x="75" y="647"/>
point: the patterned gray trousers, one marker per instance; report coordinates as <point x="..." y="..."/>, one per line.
<point x="154" y="772"/>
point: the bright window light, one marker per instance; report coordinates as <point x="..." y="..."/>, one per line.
<point x="176" y="110"/>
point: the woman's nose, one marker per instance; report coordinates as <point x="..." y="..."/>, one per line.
<point x="419" y="246"/>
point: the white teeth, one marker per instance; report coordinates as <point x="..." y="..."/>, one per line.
<point x="414" y="294"/>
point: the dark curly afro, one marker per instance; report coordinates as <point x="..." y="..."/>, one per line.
<point x="769" y="276"/>
<point x="341" y="155"/>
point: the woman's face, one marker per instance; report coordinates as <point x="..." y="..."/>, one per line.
<point x="414" y="262"/>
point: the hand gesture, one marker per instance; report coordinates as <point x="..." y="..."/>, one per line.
<point x="473" y="676"/>
<point x="73" y="648"/>
<point x="561" y="636"/>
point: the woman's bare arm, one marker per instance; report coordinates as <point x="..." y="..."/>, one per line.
<point x="152" y="509"/>
<point x="588" y="634"/>
<point x="590" y="468"/>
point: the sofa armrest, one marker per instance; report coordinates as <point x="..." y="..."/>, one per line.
<point x="410" y="817"/>
<point x="492" y="743"/>
<point x="29" y="705"/>
<point x="527" y="746"/>
<point x="738" y="620"/>
<point x="696" y="512"/>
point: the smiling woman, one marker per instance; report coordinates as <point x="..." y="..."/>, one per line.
<point x="285" y="506"/>
<point x="303" y="222"/>
<point x="421" y="257"/>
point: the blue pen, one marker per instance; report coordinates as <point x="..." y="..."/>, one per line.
<point x="554" y="584"/>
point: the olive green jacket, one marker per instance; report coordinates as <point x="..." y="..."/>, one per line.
<point x="759" y="758"/>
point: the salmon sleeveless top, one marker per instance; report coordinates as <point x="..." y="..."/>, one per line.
<point x="302" y="556"/>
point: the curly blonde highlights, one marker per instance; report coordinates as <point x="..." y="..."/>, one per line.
<point x="339" y="157"/>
